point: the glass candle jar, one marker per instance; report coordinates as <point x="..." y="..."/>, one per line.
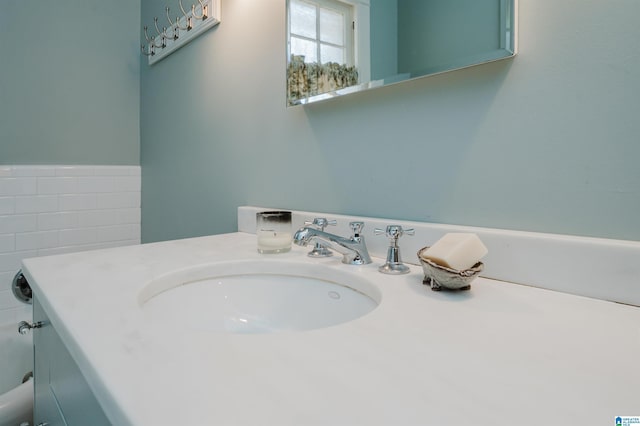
<point x="273" y="231"/>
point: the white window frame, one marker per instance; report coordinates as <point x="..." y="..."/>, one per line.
<point x="360" y="28"/>
<point x="343" y="8"/>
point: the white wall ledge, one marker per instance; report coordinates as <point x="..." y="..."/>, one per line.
<point x="593" y="267"/>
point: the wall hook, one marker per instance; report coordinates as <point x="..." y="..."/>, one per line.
<point x="150" y="51"/>
<point x="146" y="35"/>
<point x="203" y="8"/>
<point x="162" y="34"/>
<point x="187" y="18"/>
<point x="174" y="26"/>
<point x="150" y="40"/>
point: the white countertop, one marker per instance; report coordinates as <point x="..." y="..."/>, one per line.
<point x="498" y="354"/>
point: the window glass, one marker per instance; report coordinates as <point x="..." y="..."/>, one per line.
<point x="318" y="31"/>
<point x="332" y="26"/>
<point x="303" y="19"/>
<point x="320" y="48"/>
<point x="332" y="54"/>
<point x="306" y="48"/>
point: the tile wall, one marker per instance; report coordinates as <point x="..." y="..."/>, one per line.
<point x="47" y="210"/>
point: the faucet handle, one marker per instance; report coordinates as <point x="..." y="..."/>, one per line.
<point x="394" y="232"/>
<point x="356" y="228"/>
<point x="394" y="265"/>
<point x="321" y="222"/>
<point x="318" y="249"/>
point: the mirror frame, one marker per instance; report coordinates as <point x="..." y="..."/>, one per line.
<point x="508" y="49"/>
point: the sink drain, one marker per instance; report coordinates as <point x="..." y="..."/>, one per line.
<point x="334" y="295"/>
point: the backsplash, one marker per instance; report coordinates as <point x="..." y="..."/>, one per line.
<point x="46" y="210"/>
<point x="594" y="267"/>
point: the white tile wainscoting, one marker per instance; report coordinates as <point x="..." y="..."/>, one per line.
<point x="47" y="210"/>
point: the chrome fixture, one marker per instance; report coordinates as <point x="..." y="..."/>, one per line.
<point x="354" y="250"/>
<point x="318" y="249"/>
<point x="21" y="289"/>
<point x="24" y="327"/>
<point x="394" y="265"/>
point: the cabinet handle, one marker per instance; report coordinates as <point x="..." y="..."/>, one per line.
<point x="24" y="326"/>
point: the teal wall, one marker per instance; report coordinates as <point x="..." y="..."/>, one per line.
<point x="428" y="25"/>
<point x="69" y="82"/>
<point x="384" y="38"/>
<point x="545" y="142"/>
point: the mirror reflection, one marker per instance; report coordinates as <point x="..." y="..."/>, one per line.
<point x="337" y="47"/>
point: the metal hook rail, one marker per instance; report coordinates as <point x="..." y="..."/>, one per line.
<point x="204" y="14"/>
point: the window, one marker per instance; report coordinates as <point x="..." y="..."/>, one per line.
<point x="321" y="31"/>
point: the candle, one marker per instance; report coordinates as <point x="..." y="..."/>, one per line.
<point x="273" y="231"/>
<point x="269" y="241"/>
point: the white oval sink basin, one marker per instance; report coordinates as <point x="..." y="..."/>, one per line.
<point x="257" y="297"/>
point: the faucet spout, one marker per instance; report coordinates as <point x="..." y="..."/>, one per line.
<point x="353" y="250"/>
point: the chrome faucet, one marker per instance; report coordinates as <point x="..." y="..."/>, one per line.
<point x="353" y="250"/>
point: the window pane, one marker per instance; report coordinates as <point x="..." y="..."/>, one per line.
<point x="331" y="27"/>
<point x="305" y="48"/>
<point x="332" y="54"/>
<point x="303" y="19"/>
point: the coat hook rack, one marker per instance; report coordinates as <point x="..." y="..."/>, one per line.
<point x="204" y="15"/>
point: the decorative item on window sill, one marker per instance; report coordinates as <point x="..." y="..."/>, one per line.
<point x="310" y="79"/>
<point x="204" y="14"/>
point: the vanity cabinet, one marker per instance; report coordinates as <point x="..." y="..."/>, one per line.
<point x="62" y="395"/>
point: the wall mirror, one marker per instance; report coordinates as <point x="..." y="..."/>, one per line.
<point x="338" y="47"/>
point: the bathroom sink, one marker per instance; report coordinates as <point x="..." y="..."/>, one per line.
<point x="257" y="297"/>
